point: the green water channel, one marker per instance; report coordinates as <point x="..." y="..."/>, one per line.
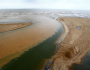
<point x="34" y="58"/>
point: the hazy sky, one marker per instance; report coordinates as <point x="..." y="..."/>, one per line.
<point x="45" y="4"/>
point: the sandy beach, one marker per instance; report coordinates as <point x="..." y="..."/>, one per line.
<point x="75" y="45"/>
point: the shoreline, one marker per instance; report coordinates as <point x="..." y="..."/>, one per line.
<point x="14" y="26"/>
<point x="74" y="46"/>
<point x="49" y="63"/>
<point x="64" y="34"/>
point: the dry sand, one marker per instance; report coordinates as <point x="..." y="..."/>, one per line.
<point x="75" y="45"/>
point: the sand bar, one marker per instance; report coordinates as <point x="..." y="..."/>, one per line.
<point x="9" y="27"/>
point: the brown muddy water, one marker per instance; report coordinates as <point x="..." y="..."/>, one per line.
<point x="28" y="47"/>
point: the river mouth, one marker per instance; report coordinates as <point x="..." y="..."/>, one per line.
<point x="35" y="57"/>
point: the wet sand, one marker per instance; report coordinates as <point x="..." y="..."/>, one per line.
<point x="75" y="45"/>
<point x="9" y="27"/>
<point x="16" y="42"/>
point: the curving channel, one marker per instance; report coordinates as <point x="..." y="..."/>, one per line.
<point x="28" y="48"/>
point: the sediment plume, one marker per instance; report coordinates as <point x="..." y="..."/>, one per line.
<point x="14" y="43"/>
